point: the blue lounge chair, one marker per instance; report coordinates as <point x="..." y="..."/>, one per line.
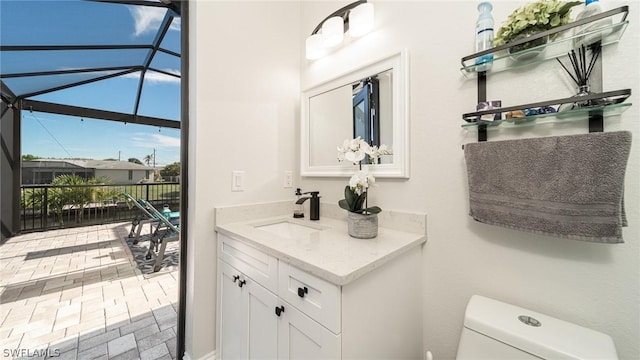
<point x="144" y="216"/>
<point x="167" y="230"/>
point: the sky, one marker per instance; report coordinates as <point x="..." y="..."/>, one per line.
<point x="57" y="136"/>
<point x="82" y="23"/>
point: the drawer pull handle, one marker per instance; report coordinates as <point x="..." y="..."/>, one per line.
<point x="241" y="283"/>
<point x="279" y="310"/>
<point x="302" y="291"/>
<point x="235" y="278"/>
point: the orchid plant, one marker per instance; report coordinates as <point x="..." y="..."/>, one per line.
<point x="355" y="194"/>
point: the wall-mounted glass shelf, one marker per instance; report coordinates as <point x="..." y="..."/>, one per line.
<point x="565" y="116"/>
<point x="563" y="44"/>
<point x="602" y="99"/>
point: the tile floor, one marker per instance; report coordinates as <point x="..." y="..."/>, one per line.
<point x="78" y="294"/>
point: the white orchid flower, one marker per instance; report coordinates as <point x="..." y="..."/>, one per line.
<point x="375" y="152"/>
<point x="355" y="144"/>
<point x="361" y="181"/>
<point x="354" y="150"/>
<point x="355" y="156"/>
<point x="384" y="150"/>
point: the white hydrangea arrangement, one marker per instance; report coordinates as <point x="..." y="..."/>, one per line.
<point x="355" y="194"/>
<point x="533" y="18"/>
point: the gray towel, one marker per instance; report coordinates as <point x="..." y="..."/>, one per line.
<point x="564" y="186"/>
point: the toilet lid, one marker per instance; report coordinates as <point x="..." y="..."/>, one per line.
<point x="536" y="333"/>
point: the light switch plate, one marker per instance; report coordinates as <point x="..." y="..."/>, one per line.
<point x="237" y="181"/>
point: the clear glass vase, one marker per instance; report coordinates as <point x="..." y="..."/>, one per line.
<point x="528" y="50"/>
<point x="584" y="90"/>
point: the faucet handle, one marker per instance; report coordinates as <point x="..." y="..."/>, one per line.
<point x="313" y="193"/>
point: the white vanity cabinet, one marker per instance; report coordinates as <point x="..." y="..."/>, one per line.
<point x="270" y="309"/>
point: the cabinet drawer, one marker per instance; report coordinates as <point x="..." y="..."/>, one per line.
<point x="260" y="267"/>
<point x="320" y="300"/>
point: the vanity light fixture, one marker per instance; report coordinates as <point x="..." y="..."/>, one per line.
<point x="355" y="18"/>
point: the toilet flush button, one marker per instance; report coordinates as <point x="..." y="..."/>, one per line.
<point x="528" y="320"/>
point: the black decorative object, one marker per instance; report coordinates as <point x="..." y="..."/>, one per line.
<point x="581" y="73"/>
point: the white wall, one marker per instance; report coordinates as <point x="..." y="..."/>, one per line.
<point x="244" y="104"/>
<point x="594" y="285"/>
<point x="247" y="68"/>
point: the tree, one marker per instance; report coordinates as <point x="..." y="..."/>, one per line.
<point x="110" y="159"/>
<point x="29" y="157"/>
<point x="148" y="159"/>
<point x="171" y="170"/>
<point x="135" y="161"/>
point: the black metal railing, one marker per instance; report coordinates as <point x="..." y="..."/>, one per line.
<point x="45" y="207"/>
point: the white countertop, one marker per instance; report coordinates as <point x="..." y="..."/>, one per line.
<point x="330" y="253"/>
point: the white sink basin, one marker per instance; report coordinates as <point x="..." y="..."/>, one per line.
<point x="288" y="229"/>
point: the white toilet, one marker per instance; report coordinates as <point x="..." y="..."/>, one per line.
<point x="495" y="330"/>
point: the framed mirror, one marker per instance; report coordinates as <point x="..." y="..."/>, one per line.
<point x="370" y="102"/>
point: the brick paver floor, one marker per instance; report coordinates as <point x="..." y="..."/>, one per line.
<point x="78" y="294"/>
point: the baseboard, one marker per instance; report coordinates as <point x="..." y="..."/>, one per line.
<point x="209" y="356"/>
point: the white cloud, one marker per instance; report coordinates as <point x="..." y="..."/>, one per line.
<point x="156" y="77"/>
<point x="153" y="76"/>
<point x="157" y="141"/>
<point x="176" y="24"/>
<point x="148" y="19"/>
<point x="166" y="141"/>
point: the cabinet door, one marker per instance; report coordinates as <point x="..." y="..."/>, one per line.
<point x="262" y="321"/>
<point x="247" y="322"/>
<point x="300" y="337"/>
<point x="232" y="314"/>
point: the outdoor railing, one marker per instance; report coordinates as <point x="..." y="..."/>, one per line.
<point x="45" y="207"/>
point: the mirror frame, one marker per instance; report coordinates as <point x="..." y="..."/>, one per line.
<point x="400" y="112"/>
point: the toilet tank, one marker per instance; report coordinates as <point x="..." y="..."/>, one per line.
<point x="496" y="330"/>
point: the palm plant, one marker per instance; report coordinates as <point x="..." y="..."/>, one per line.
<point x="148" y="159"/>
<point x="71" y="192"/>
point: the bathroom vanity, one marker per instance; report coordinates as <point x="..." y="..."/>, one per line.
<point x="290" y="288"/>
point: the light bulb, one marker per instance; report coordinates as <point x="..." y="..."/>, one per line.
<point x="313" y="46"/>
<point x="332" y="31"/>
<point x="361" y="20"/>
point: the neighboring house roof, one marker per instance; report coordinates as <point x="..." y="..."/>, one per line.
<point x="86" y="164"/>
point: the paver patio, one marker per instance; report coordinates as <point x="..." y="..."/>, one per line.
<point x="78" y="294"/>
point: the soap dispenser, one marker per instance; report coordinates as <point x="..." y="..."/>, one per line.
<point x="298" y="208"/>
